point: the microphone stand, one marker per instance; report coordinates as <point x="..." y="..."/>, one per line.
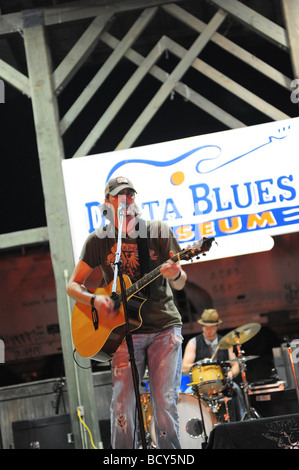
<point x="204" y="432"/>
<point x="58" y="390"/>
<point x="118" y="274"/>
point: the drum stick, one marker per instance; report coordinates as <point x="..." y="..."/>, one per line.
<point x="215" y="352"/>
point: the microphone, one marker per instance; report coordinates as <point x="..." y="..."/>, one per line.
<point x="122" y="206"/>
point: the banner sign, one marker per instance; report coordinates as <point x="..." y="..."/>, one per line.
<point x="240" y="186"/>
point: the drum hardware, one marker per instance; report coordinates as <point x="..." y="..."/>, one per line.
<point x="225" y="399"/>
<point x="237" y="337"/>
<point x="244" y="358"/>
<point x="215" y="402"/>
<point x="212" y="402"/>
<point x="218" y="400"/>
<point x="226" y="416"/>
<point x="250" y="412"/>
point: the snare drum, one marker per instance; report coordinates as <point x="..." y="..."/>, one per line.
<point x="208" y="376"/>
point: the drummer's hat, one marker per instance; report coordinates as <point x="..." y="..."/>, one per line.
<point x="210" y="317"/>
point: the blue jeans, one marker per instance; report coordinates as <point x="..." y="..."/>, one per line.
<point x="162" y="353"/>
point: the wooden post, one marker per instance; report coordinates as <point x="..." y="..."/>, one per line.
<point x="50" y="150"/>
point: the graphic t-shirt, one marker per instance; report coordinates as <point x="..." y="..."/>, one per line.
<point x="129" y="258"/>
<point x="159" y="311"/>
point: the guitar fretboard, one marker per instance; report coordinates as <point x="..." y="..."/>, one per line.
<point x="150" y="277"/>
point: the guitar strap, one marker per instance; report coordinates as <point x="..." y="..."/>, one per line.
<point x="143" y="252"/>
<point x="94" y="314"/>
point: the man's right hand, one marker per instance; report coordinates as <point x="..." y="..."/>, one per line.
<point x="105" y="305"/>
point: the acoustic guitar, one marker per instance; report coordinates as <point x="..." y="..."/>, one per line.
<point x="97" y="336"/>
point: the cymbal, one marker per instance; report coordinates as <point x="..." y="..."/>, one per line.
<point x="245" y="358"/>
<point x="239" y="336"/>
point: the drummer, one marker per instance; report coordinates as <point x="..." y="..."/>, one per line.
<point x="204" y="345"/>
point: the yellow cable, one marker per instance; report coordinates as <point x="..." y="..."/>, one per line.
<point x="91" y="440"/>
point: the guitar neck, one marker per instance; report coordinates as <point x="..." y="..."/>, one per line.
<point x="185" y="254"/>
<point x="150" y="277"/>
<point x="144" y="281"/>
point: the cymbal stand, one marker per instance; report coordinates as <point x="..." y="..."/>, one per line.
<point x="214" y="403"/>
<point x="226" y="415"/>
<point x="250" y="412"/>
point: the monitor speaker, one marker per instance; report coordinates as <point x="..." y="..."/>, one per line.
<point x="278" y="432"/>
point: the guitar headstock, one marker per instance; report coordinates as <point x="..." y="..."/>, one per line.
<point x="198" y="248"/>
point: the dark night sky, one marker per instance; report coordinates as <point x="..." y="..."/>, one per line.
<point x="21" y="189"/>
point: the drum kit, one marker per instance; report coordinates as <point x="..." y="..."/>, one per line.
<point x="208" y="405"/>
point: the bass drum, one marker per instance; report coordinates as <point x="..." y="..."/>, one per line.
<point x="192" y="423"/>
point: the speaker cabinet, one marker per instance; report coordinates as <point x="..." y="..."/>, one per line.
<point x="275" y="403"/>
<point x="53" y="432"/>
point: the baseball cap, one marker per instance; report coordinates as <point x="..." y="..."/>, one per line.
<point x="115" y="185"/>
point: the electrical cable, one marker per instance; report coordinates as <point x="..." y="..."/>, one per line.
<point x="90" y="435"/>
<point x="75" y="360"/>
